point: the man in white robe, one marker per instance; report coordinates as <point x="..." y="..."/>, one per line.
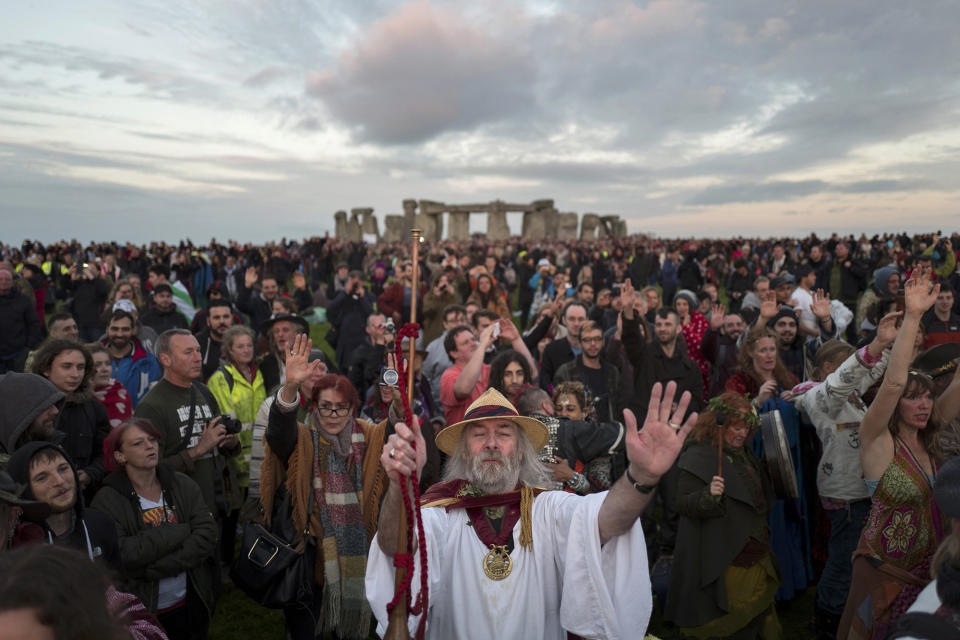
<point x="583" y="570"/>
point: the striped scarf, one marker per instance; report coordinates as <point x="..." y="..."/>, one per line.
<point x="338" y="490"/>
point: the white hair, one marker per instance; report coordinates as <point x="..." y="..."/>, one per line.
<point x="521" y="466"/>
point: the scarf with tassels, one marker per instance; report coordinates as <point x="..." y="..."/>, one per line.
<point x="338" y="490"/>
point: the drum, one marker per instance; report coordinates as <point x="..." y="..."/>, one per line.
<point x="776" y="450"/>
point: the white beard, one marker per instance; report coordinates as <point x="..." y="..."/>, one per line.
<point x="494" y="478"/>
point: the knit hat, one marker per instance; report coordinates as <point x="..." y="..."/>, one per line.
<point x="689" y="296"/>
<point x="786" y="311"/>
<point x="492" y="405"/>
<point x="880" y="278"/>
<point x="543" y="262"/>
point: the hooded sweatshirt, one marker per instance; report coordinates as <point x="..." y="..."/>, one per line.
<point x="24" y="396"/>
<point x="93" y="533"/>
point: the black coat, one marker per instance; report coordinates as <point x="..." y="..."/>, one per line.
<point x="554" y="354"/>
<point x="652" y="365"/>
<point x="161" y="321"/>
<point x="713" y="530"/>
<point x="253" y="304"/>
<point x="574" y="371"/>
<point x="19" y="325"/>
<point x="348" y="313"/>
<point x="85" y="425"/>
<point x="151" y="553"/>
<point x="89" y="296"/>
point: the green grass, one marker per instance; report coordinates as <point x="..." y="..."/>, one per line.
<point x="238" y="616"/>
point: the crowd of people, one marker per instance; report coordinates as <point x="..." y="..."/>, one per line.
<point x="158" y="398"/>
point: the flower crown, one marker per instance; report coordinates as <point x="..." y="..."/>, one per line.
<point x="722" y="408"/>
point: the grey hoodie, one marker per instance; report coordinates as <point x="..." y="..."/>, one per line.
<point x="23" y="397"/>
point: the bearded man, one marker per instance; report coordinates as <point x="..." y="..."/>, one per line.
<point x="507" y="561"/>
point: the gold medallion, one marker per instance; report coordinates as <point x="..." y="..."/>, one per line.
<point x="497" y="564"/>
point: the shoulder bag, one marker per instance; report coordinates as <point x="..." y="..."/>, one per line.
<point x="276" y="564"/>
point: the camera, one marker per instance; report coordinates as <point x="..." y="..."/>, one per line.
<point x="231" y="424"/>
<point x="389" y="377"/>
<point x="615" y="288"/>
<point x="389" y="326"/>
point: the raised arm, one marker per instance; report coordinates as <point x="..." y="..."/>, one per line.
<point x="508" y="330"/>
<point x="651" y="452"/>
<point x="876" y="443"/>
<point x="856" y="370"/>
<point x="471" y="373"/>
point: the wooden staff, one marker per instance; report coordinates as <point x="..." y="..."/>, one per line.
<point x="720" y="425"/>
<point x="397" y="624"/>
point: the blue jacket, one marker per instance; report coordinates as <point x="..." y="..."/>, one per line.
<point x="137" y="371"/>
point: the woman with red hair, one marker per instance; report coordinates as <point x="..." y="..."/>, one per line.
<point x="334" y="461"/>
<point x="166" y="531"/>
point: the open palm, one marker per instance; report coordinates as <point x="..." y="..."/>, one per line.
<point x="653" y="449"/>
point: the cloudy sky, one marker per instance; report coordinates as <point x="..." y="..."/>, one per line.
<point x="160" y="119"/>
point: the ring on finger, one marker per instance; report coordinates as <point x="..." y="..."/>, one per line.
<point x="674" y="426"/>
<point x="392" y="453"/>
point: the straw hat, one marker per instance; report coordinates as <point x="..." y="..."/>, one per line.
<point x="490" y="405"/>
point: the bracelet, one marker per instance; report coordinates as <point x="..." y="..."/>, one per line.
<point x="577" y="482"/>
<point x="642" y="488"/>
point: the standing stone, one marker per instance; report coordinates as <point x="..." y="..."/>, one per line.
<point x="395" y="228"/>
<point x="567" y="226"/>
<point x="368" y="222"/>
<point x="534" y="225"/>
<point x="621" y="227"/>
<point x="459" y="226"/>
<point x="588" y="226"/>
<point x="354" y="232"/>
<point x="340" y="224"/>
<point x="497" y="227"/>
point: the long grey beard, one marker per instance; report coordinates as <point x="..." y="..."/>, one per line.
<point x="494" y="478"/>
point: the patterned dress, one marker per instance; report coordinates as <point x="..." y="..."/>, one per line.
<point x="693" y="335"/>
<point x="892" y="561"/>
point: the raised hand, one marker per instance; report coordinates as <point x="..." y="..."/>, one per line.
<point x="821" y="304"/>
<point x="298" y="368"/>
<point x="627" y="298"/>
<point x="887" y="329"/>
<point x="653" y="449"/>
<point x="919" y="292"/>
<point x="508" y="330"/>
<point x="250" y="277"/>
<point x="399" y="458"/>
<point x="716" y="317"/>
<point x="768" y="305"/>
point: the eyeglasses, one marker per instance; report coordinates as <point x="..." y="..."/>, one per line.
<point x="593" y="339"/>
<point x="336" y="412"/>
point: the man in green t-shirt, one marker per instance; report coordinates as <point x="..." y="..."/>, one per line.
<point x="185" y="412"/>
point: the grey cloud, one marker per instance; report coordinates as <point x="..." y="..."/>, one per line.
<point x="421" y="72"/>
<point x="783" y="190"/>
<point x="264" y="77"/>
